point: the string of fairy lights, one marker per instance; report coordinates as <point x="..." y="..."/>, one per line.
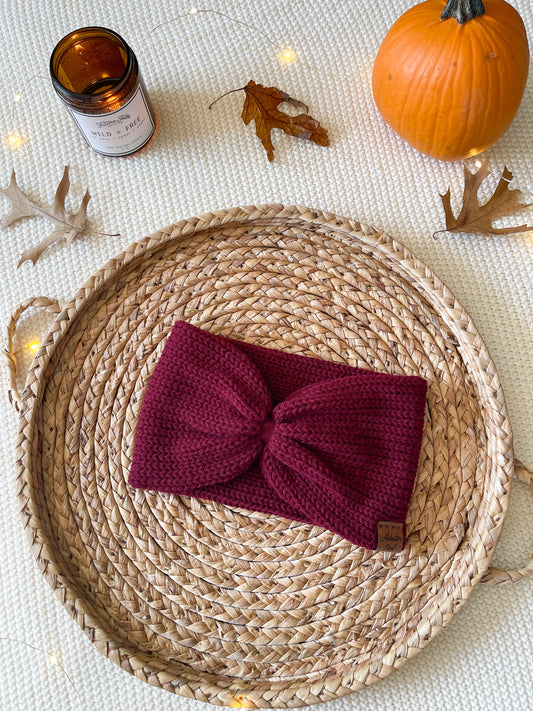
<point x="52" y="660"/>
<point x="286" y="55"/>
<point x="15" y="141"/>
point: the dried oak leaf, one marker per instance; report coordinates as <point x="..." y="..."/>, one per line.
<point x="67" y="226"/>
<point x="261" y="105"/>
<point x="476" y="218"/>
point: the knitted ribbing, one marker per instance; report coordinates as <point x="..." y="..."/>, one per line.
<point x="285" y="434"/>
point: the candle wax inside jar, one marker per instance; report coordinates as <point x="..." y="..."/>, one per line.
<point x="92" y="66"/>
<point x="96" y="74"/>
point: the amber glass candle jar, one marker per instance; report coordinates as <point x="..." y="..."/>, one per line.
<point x="97" y="75"/>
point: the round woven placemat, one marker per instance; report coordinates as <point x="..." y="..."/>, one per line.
<point x="226" y="605"/>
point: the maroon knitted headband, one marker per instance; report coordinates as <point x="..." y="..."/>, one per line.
<point x="285" y="434"/>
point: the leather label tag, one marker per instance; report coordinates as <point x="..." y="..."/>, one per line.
<point x="390" y="537"/>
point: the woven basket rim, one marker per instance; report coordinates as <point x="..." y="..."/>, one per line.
<point x="41" y="539"/>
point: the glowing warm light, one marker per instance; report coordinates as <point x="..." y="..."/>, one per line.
<point x="33" y="346"/>
<point x="287" y="56"/>
<point x="17" y="98"/>
<point x="14" y="140"/>
<point x="478" y="163"/>
<point x="193" y="11"/>
<point x="241" y="702"/>
<point x="53" y="659"/>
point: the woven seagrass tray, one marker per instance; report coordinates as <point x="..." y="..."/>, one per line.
<point x="221" y="604"/>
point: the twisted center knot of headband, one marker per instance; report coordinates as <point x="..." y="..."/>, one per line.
<point x="266" y="430"/>
<point x="286" y="434"/>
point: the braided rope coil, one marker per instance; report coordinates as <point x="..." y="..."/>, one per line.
<point x="222" y="604"/>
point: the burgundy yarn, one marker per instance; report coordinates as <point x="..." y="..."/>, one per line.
<point x="285" y="434"/>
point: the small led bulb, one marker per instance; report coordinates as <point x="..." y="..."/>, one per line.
<point x="14" y="140"/>
<point x="287" y="56"/>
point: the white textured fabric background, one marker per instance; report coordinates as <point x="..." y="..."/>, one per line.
<point x="203" y="160"/>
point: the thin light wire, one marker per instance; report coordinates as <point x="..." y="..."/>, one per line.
<point x="53" y="660"/>
<point x="281" y="50"/>
<point x="478" y="162"/>
<point x="18" y="98"/>
<point x="194" y="11"/>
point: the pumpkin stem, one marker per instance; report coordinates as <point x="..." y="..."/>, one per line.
<point x="463" y="10"/>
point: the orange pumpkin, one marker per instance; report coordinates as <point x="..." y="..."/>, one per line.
<point x="449" y="76"/>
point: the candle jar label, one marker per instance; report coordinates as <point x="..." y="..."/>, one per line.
<point x="120" y="132"/>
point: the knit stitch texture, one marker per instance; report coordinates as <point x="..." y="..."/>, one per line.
<point x="285" y="434"/>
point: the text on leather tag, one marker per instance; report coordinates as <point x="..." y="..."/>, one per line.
<point x="390" y="537"/>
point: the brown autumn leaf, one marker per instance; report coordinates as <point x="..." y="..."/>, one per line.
<point x="261" y="105"/>
<point x="67" y="226"/>
<point x="476" y="218"/>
